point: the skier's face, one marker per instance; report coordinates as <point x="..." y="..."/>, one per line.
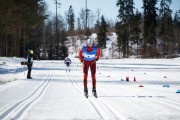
<point x="90" y="43"/>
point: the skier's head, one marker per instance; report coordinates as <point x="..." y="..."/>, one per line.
<point x="90" y="42"/>
<point x="31" y="51"/>
<point x="67" y="54"/>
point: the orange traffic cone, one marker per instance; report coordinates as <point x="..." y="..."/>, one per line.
<point x="134" y="79"/>
<point x="141" y="85"/>
<point x="165" y="76"/>
<point x="127" y="78"/>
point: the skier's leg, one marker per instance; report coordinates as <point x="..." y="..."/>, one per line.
<point x="66" y="67"/>
<point x="93" y="74"/>
<point x="85" y="71"/>
<point x="69" y="68"/>
<point x="86" y="92"/>
<point x="29" y="71"/>
<point x="28" y="74"/>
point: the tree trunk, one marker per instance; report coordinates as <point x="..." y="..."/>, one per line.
<point x="18" y="36"/>
<point x="0" y="45"/>
<point x="144" y="51"/>
<point x="6" y="41"/>
<point x="24" y="42"/>
<point x="137" y="48"/>
<point x="164" y="45"/>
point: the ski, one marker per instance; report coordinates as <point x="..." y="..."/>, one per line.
<point x="86" y="95"/>
<point x="95" y="94"/>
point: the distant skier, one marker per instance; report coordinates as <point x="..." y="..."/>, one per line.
<point x="67" y="61"/>
<point x="29" y="63"/>
<point x="88" y="55"/>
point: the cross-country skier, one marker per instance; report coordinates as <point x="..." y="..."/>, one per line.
<point x="29" y="63"/>
<point x="67" y="61"/>
<point x="88" y="55"/>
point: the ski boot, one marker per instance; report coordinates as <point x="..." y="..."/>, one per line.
<point x="86" y="92"/>
<point x="94" y="92"/>
<point x="29" y="77"/>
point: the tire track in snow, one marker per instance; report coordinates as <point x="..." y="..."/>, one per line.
<point x="16" y="110"/>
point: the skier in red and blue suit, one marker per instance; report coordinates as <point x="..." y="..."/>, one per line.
<point x="88" y="55"/>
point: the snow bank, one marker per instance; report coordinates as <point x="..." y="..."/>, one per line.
<point x="9" y="66"/>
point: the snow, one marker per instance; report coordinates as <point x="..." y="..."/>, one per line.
<point x="55" y="94"/>
<point x="12" y="66"/>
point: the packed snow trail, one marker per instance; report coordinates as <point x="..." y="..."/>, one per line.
<point x="54" y="93"/>
<point x="17" y="109"/>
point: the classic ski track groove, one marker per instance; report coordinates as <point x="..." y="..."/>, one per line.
<point x="18" y="108"/>
<point x="114" y="108"/>
<point x="96" y="104"/>
<point x="72" y="78"/>
<point x="101" y="106"/>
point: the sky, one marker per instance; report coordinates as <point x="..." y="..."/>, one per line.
<point x="107" y="7"/>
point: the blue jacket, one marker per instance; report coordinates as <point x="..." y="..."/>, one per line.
<point x="67" y="60"/>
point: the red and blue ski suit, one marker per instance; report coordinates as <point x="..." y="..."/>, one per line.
<point x="89" y="56"/>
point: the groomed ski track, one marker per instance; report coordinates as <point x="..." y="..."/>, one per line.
<point x="54" y="93"/>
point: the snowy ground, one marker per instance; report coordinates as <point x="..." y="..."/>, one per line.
<point x="54" y="93"/>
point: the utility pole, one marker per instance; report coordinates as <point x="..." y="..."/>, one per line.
<point x="57" y="41"/>
<point x="87" y="13"/>
<point x="56" y="21"/>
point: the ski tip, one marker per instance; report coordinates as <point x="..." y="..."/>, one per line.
<point x="86" y="96"/>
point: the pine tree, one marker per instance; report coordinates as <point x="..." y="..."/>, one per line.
<point x="71" y="20"/>
<point x="63" y="50"/>
<point x="150" y="24"/>
<point x="124" y="26"/>
<point x="177" y="28"/>
<point x="122" y="38"/>
<point x="97" y="25"/>
<point x="135" y="37"/>
<point x="165" y="19"/>
<point x="177" y="18"/>
<point x="102" y="33"/>
<point x="18" y="22"/>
